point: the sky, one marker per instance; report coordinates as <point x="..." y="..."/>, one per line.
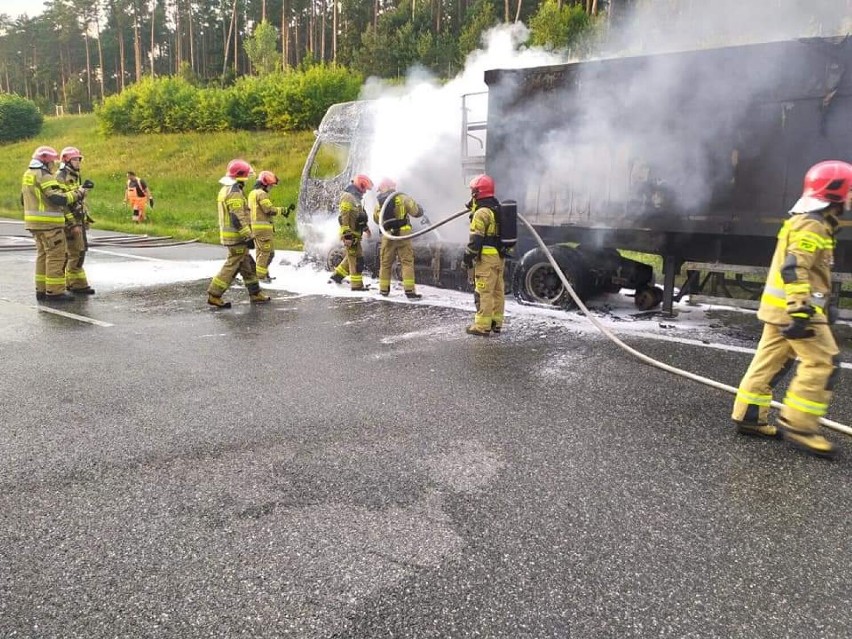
<point x="14" y="8"/>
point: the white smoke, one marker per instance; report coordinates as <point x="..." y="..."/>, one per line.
<point x="417" y="138"/>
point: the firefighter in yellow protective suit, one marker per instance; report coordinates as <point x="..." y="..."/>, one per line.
<point x="796" y="314"/>
<point x="235" y="233"/>
<point x="393" y="214"/>
<point x="76" y="281"/>
<point x="46" y="213"/>
<point x="353" y="225"/>
<point x="262" y="212"/>
<point x="484" y="255"/>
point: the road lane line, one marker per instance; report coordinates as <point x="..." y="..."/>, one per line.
<point x="56" y="311"/>
<point x="135" y="257"/>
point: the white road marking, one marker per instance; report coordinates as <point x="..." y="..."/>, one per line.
<point x="56" y="311"/>
<point x="134" y="257"/>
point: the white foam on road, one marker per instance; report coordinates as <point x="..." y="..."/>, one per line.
<point x="293" y="275"/>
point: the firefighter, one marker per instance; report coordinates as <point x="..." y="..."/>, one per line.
<point x="262" y="212"/>
<point x="236" y="234"/>
<point x="70" y="159"/>
<point x="485" y="256"/>
<point x="46" y="213"/>
<point x="353" y="226"/>
<point x="796" y="314"/>
<point x="138" y="195"/>
<point x="396" y="221"/>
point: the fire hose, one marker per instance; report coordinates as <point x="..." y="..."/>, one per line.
<point x="828" y="423"/>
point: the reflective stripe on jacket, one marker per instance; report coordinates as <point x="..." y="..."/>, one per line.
<point x="234" y="216"/>
<point x="45" y="200"/>
<point x="484" y="234"/>
<point x="261" y="210"/>
<point x="800" y="272"/>
<point x="397" y="213"/>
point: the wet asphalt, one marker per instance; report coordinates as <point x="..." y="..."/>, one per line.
<point x="327" y="467"/>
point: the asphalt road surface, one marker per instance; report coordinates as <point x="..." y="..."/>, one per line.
<point x="349" y="467"/>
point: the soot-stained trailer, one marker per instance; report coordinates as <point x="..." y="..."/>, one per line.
<point x="694" y="156"/>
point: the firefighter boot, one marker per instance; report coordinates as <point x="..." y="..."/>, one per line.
<point x="218" y="302"/>
<point x="40" y="296"/>
<point x="808" y="442"/>
<point x="87" y="290"/>
<point x="259" y="298"/>
<point x="475" y="330"/>
<point x="769" y="431"/>
<point x="60" y="297"/>
<point x="413" y="296"/>
<point x="496" y="328"/>
<point x="336" y="278"/>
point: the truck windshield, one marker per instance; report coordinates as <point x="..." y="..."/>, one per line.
<point x="330" y="160"/>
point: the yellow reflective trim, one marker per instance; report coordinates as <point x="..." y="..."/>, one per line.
<point x="262" y="226"/>
<point x="805" y="406"/>
<point x="772" y="300"/>
<point x="753" y="398"/>
<point x="489" y="250"/>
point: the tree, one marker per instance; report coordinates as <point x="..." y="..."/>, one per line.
<point x="563" y="27"/>
<point x="261" y="48"/>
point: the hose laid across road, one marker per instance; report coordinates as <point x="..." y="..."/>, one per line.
<point x="130" y="241"/>
<point x="828" y="423"/>
<point x="836" y="426"/>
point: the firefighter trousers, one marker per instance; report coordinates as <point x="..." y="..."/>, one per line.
<point x="50" y="261"/>
<point x="352" y="265"/>
<point x="75" y="276"/>
<point x="390" y="249"/>
<point x="239" y="261"/>
<point x="810" y="389"/>
<point x="264" y="251"/>
<point x="489" y="291"/>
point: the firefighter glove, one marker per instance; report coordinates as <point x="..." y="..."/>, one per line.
<point x="798" y="329"/>
<point x="88" y="184"/>
<point x="250" y="243"/>
<point x="468" y="260"/>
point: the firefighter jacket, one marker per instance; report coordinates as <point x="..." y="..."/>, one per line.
<point x="262" y="210"/>
<point x="234" y="216"/>
<point x="45" y="200"/>
<point x="800" y="273"/>
<point x="351" y="214"/>
<point x="398" y="211"/>
<point x="70" y="179"/>
<point x="484" y="229"/>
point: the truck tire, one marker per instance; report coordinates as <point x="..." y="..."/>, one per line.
<point x="535" y="281"/>
<point x="648" y="297"/>
<point x="334" y="258"/>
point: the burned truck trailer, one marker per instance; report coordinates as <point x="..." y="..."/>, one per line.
<point x="693" y="156"/>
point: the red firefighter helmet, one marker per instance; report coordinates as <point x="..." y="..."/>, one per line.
<point x="239" y="170"/>
<point x="482" y="186"/>
<point x="387" y="184"/>
<point x="826" y="183"/>
<point x="267" y="178"/>
<point x="362" y="183"/>
<point x="70" y="153"/>
<point x="45" y="154"/>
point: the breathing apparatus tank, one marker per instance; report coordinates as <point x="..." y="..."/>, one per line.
<point x="508" y="226"/>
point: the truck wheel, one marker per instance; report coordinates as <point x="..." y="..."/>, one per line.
<point x="334" y="258"/>
<point x="648" y="297"/>
<point x="536" y="281"/>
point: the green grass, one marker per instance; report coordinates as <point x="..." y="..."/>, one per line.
<point x="182" y="170"/>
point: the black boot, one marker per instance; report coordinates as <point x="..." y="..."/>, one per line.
<point x="336" y="278"/>
<point x="61" y="297"/>
<point x="88" y="290"/>
<point x="413" y="296"/>
<point x="40" y="296"/>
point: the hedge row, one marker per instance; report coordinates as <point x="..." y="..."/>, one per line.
<point x="288" y="101"/>
<point x="19" y="118"/>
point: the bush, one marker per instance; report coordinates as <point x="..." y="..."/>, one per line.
<point x="295" y="100"/>
<point x="19" y="118"/>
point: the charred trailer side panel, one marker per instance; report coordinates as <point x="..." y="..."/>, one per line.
<point x="694" y="156"/>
